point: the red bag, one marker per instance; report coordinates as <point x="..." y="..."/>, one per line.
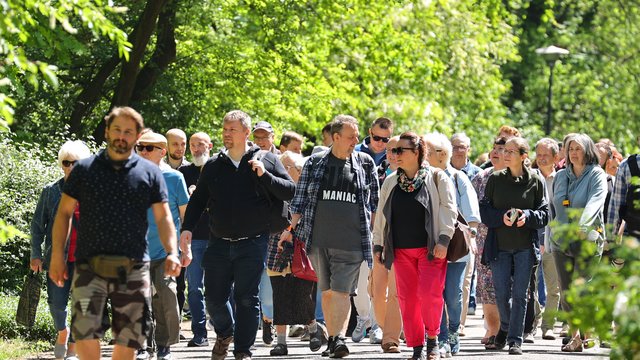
<point x="301" y="265"/>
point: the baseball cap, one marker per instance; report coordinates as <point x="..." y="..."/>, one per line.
<point x="264" y="126"/>
<point x="153" y="138"/>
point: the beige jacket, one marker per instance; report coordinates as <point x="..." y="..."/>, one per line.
<point x="439" y="202"/>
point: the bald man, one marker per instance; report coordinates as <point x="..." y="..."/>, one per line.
<point x="200" y="147"/>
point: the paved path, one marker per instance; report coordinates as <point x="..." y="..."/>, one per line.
<point x="470" y="348"/>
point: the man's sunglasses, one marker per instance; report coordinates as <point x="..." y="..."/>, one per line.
<point x="399" y="150"/>
<point x="67" y="163"/>
<point x="149" y="148"/>
<point x="380" y="138"/>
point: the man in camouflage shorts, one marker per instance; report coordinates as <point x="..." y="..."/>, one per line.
<point x="115" y="188"/>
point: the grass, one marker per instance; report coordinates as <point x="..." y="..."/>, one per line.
<point x="21" y="349"/>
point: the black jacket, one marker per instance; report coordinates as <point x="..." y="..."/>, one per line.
<point x="235" y="197"/>
<point x="191" y="174"/>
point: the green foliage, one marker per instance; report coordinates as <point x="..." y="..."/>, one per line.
<point x="602" y="293"/>
<point x="21" y="349"/>
<point x="43" y="328"/>
<point x="24" y="170"/>
<point x="48" y="28"/>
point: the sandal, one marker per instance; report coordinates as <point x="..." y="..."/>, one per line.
<point x="574" y="345"/>
<point x="59" y="351"/>
<point x="491" y="343"/>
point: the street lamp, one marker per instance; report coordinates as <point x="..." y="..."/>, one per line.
<point x="551" y="54"/>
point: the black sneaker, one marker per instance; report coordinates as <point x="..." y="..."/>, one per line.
<point x="501" y="340"/>
<point x="279" y="350"/>
<point x="339" y="349"/>
<point x="515" y="349"/>
<point x="198" y="342"/>
<point x="267" y="332"/>
<point x="315" y="340"/>
<point x="327" y="351"/>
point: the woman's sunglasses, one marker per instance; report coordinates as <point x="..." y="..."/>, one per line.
<point x="67" y="163"/>
<point x="399" y="150"/>
<point x="149" y="148"/>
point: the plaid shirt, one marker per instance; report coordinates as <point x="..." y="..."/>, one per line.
<point x="619" y="195"/>
<point x="307" y="191"/>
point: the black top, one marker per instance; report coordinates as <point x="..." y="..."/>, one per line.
<point x="237" y="206"/>
<point x="191" y="174"/>
<point x="407" y="216"/>
<point x="114" y="204"/>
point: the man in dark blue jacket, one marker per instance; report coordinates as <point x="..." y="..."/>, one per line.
<point x="238" y="191"/>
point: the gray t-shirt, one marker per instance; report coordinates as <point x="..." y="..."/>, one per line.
<point x="337" y="222"/>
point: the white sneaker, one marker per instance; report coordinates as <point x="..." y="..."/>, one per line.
<point x="361" y="329"/>
<point x="375" y="336"/>
<point x="296" y="330"/>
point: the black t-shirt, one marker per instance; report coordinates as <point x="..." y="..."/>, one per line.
<point x="337" y="221"/>
<point x="114" y="204"/>
<point x="407" y="218"/>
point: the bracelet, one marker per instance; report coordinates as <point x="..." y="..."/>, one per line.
<point x="170" y="254"/>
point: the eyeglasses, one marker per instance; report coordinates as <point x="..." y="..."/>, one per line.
<point x="67" y="163"/>
<point x="460" y="148"/>
<point x="513" y="152"/>
<point x="380" y="138"/>
<point x="399" y="150"/>
<point x="149" y="148"/>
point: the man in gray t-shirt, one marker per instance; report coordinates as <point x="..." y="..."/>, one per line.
<point x="332" y="212"/>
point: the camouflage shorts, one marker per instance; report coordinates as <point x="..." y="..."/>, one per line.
<point x="130" y="304"/>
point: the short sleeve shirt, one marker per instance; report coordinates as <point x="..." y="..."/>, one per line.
<point x="337" y="222"/>
<point x="178" y="196"/>
<point x="114" y="204"/>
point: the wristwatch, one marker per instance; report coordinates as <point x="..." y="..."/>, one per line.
<point x="473" y="231"/>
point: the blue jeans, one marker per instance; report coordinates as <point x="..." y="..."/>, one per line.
<point x="58" y="300"/>
<point x="266" y="296"/>
<point x="452" y="300"/>
<point x="319" y="314"/>
<point x="241" y="264"/>
<point x="472" y="290"/>
<point x="542" y="287"/>
<point x="511" y="276"/>
<point x="195" y="295"/>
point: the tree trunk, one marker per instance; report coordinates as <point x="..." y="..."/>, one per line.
<point x="129" y="72"/>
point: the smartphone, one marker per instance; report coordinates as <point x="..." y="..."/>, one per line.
<point x="513" y="215"/>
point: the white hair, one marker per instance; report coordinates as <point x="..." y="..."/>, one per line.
<point x="462" y="137"/>
<point x="440" y="141"/>
<point x="73" y="150"/>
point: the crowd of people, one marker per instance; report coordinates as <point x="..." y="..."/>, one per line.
<point x="133" y="232"/>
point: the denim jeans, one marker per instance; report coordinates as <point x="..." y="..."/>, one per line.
<point x="511" y="275"/>
<point x="452" y="300"/>
<point x="542" y="287"/>
<point x="195" y="295"/>
<point x="58" y="300"/>
<point x="319" y="314"/>
<point x="266" y="296"/>
<point x="241" y="264"/>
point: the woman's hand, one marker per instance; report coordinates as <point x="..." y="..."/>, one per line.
<point x="36" y="265"/>
<point x="521" y="218"/>
<point x="440" y="251"/>
<point x="285" y="236"/>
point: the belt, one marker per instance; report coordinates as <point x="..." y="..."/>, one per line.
<point x="241" y="238"/>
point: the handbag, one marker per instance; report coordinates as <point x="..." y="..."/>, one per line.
<point x="301" y="265"/>
<point x="29" y="298"/>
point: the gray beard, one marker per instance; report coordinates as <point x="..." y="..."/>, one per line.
<point x="200" y="160"/>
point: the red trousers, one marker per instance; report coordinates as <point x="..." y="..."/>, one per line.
<point x="420" y="283"/>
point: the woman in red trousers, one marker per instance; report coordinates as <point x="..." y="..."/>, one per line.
<point x="418" y="213"/>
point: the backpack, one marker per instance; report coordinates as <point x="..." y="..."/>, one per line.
<point x="631" y="211"/>
<point x="279" y="214"/>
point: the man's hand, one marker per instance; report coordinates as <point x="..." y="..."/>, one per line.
<point x="440" y="251"/>
<point x="36" y="265"/>
<point x="185" y="238"/>
<point x="172" y="265"/>
<point x="521" y="218"/>
<point x="58" y="271"/>
<point x="187" y="256"/>
<point x="285" y="236"/>
<point x="257" y="166"/>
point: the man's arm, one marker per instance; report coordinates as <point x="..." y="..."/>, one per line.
<point x="60" y="233"/>
<point x="168" y="238"/>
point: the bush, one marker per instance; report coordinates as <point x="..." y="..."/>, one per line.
<point x="610" y="294"/>
<point x="43" y="328"/>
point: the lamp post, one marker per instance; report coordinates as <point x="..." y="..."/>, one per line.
<point x="551" y="54"/>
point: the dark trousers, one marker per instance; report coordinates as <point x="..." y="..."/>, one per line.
<point x="239" y="264"/>
<point x="533" y="306"/>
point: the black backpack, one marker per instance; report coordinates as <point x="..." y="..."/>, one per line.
<point x="279" y="214"/>
<point x="631" y="211"/>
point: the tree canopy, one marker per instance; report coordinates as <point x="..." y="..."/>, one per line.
<point x="449" y="66"/>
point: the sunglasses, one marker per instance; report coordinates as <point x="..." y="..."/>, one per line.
<point x="399" y="150"/>
<point x="149" y="148"/>
<point x="380" y="138"/>
<point x="67" y="163"/>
